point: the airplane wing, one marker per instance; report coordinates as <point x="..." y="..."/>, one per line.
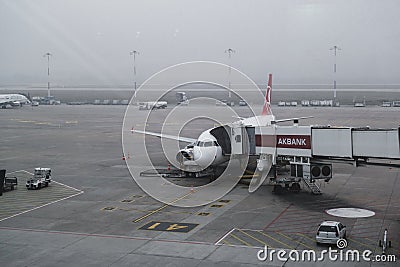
<point x="173" y="137"/>
<point x="291" y="119"/>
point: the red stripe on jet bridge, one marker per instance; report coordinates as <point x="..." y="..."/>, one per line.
<point x="284" y="141"/>
<point x="265" y="140"/>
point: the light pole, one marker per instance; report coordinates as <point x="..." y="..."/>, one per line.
<point x="334" y="48"/>
<point x="48" y="72"/>
<point x="134" y="53"/>
<point x="230" y="51"/>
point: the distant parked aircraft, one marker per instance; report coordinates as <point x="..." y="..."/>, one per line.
<point x="13" y="100"/>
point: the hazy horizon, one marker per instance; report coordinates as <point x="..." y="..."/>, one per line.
<point x="90" y="40"/>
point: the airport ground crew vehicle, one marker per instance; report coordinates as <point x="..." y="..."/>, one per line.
<point x="41" y="178"/>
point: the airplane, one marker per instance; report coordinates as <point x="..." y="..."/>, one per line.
<point x="212" y="148"/>
<point x="152" y="105"/>
<point x="14" y="100"/>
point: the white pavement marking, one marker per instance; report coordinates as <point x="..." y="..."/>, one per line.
<point x="73" y="188"/>
<point x="350" y="212"/>
<point x="41" y="206"/>
<point x="52" y="202"/>
<point x="222" y="238"/>
<point x="21" y="171"/>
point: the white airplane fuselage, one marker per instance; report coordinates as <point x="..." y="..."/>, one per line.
<point x="206" y="152"/>
<point x="14" y="100"/>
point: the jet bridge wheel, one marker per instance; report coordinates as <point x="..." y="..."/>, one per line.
<point x="295" y="187"/>
<point x="278" y="189"/>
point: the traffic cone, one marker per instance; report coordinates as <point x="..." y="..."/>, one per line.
<point x="123" y="157"/>
<point x="169" y="167"/>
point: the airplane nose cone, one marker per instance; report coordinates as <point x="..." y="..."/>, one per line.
<point x="204" y="156"/>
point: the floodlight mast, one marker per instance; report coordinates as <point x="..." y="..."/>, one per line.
<point x="133" y="54"/>
<point x="335" y="48"/>
<point x="48" y="55"/>
<point x="230" y="51"/>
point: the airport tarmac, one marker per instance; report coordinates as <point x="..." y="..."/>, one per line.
<point x="103" y="218"/>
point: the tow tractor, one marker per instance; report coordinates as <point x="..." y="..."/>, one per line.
<point x="41" y="178"/>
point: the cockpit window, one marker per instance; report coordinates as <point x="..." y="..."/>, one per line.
<point x="208" y="143"/>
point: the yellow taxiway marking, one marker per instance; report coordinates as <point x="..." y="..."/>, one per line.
<point x="298" y="242"/>
<point x="154" y="226"/>
<point x="237" y="238"/>
<point x="132" y="209"/>
<point x="176" y="226"/>
<point x="255" y="238"/>
<point x="226" y="242"/>
<point x="169" y="226"/>
<point x="161" y="208"/>
<point x="306" y="237"/>
<point x="150" y="213"/>
<point x="275" y="239"/>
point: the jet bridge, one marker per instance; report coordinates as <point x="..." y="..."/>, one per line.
<point x="355" y="143"/>
<point x="310" y="150"/>
<point x="316" y="142"/>
<point x="341" y="143"/>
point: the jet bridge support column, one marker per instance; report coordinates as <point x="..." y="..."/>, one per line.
<point x="2" y="178"/>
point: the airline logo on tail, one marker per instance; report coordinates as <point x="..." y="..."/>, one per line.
<point x="267" y="104"/>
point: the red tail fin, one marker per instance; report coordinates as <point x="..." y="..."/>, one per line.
<point x="267" y="104"/>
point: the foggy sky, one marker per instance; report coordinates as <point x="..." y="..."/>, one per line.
<point x="90" y="40"/>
